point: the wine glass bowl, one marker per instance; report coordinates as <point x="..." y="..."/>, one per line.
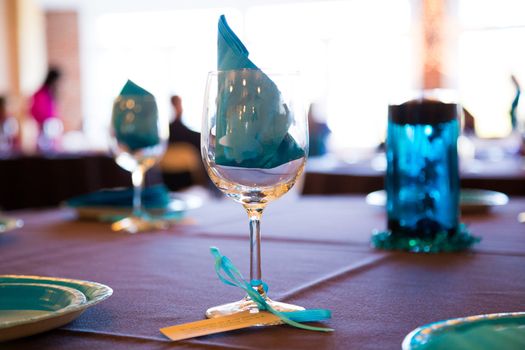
<point x="138" y="141"/>
<point x="262" y="149"/>
<point x="254" y="145"/>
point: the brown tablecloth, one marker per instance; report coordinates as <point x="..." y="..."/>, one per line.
<point x="316" y="253"/>
<point x="30" y="181"/>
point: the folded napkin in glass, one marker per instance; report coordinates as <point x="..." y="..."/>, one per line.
<point x="140" y="105"/>
<point x="252" y="118"/>
<point x="109" y="204"/>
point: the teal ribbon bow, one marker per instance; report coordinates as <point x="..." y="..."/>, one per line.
<point x="230" y="275"/>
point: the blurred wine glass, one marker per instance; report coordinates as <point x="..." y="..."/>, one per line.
<point x="8" y="128"/>
<point x="138" y="141"/>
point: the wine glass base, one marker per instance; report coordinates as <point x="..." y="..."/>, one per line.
<point x="8" y="224"/>
<point x="246" y="304"/>
<point x="136" y="224"/>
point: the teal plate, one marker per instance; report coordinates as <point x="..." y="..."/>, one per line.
<point x="481" y="332"/>
<point x="93" y="292"/>
<point x="29" y="308"/>
<point x="176" y="209"/>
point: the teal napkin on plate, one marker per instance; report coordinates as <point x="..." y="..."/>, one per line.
<point x="135" y="116"/>
<point x="252" y="119"/>
<point x="156" y="196"/>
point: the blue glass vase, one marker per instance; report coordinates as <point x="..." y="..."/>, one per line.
<point x="422" y="179"/>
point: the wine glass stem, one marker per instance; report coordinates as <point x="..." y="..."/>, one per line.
<point x="137" y="178"/>
<point x="255" y="247"/>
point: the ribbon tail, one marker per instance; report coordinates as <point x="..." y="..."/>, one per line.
<point x="312" y="315"/>
<point x="290" y="322"/>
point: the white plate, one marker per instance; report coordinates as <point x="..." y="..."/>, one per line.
<point x="471" y="200"/>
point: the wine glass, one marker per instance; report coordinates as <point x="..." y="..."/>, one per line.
<point x="254" y="145"/>
<point x="138" y="141"/>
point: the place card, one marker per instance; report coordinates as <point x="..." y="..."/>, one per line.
<point x="220" y="324"/>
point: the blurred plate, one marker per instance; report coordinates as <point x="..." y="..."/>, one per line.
<point x="29" y="308"/>
<point x="176" y="208"/>
<point x="9" y="224"/>
<point x="471" y="200"/>
<point x="492" y="331"/>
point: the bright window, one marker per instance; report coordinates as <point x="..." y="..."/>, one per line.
<point x="165" y="52"/>
<point x="491" y="48"/>
<point x="353" y="55"/>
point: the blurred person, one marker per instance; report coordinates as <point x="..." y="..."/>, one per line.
<point x="43" y="109"/>
<point x="181" y="165"/>
<point x="43" y="101"/>
<point x="8" y="128"/>
<point x="517" y="126"/>
<point x="515" y="102"/>
<point x="467" y="136"/>
<point x="3" y="109"/>
<point x="318" y="132"/>
<point x="180" y="132"/>
<point x="469" y="123"/>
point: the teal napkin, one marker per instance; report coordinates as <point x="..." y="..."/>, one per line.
<point x="156" y="196"/>
<point x="256" y="135"/>
<point x="135" y="117"/>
